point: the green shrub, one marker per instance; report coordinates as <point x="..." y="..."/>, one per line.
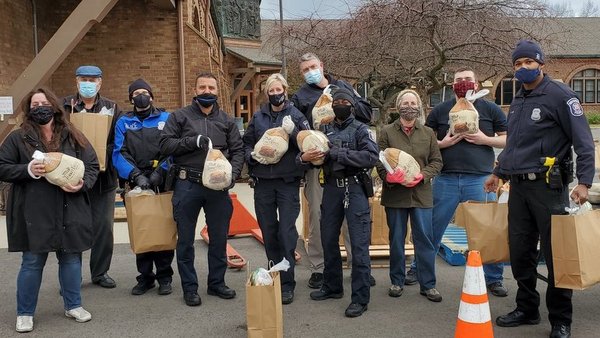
<point x="593" y="118"/>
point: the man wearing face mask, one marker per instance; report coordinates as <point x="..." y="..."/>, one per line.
<point x="305" y="99"/>
<point x="102" y="196"/>
<point x="468" y="160"/>
<point x="353" y="153"/>
<point x="186" y="138"/>
<point x="545" y="120"/>
<point x="136" y="157"/>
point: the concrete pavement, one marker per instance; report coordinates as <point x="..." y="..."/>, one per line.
<point x="116" y="313"/>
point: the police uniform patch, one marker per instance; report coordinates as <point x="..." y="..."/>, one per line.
<point x="535" y="114"/>
<point x="161" y="125"/>
<point x="133" y="126"/>
<point x="575" y="107"/>
<point x="371" y="135"/>
<point x="306" y="124"/>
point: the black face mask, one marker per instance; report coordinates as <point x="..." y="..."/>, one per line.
<point x="342" y="111"/>
<point x="142" y="101"/>
<point x="277" y="99"/>
<point x="41" y="114"/>
<point x="206" y="100"/>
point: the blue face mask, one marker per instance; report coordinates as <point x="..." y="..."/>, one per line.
<point x="313" y="76"/>
<point x="527" y="75"/>
<point x="88" y="89"/>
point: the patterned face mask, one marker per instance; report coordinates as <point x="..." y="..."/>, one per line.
<point x="461" y="88"/>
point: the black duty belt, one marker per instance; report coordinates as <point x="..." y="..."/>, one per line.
<point x="527" y="177"/>
<point x="190" y="174"/>
<point x="342" y="182"/>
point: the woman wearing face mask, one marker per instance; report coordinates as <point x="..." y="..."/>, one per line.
<point x="137" y="159"/>
<point x="413" y="199"/>
<point x="276" y="186"/>
<point x="42" y="217"/>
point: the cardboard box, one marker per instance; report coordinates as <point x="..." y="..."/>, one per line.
<point x="380" y="232"/>
<point x="96" y="128"/>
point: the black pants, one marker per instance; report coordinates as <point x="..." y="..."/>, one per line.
<point x="273" y="196"/>
<point x="103" y="214"/>
<point x="358" y="216"/>
<point x="188" y="199"/>
<point x="530" y="207"/>
<point x="146" y="261"/>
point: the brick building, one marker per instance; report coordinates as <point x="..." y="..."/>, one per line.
<point x="167" y="42"/>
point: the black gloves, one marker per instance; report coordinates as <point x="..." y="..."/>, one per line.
<point x="196" y="142"/>
<point x="142" y="182"/>
<point x="156" y="178"/>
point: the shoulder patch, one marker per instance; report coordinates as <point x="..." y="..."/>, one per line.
<point x="371" y="135"/>
<point x="306" y="125"/>
<point x="161" y="125"/>
<point x="575" y="106"/>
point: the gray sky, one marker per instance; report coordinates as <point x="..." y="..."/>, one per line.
<point x="332" y="9"/>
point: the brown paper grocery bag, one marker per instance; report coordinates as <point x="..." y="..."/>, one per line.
<point x="380" y="232"/>
<point x="96" y="128"/>
<point x="264" y="312"/>
<point x="151" y="224"/>
<point x="575" y="250"/>
<point x="486" y="225"/>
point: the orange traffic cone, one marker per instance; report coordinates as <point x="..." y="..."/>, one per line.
<point x="474" y="319"/>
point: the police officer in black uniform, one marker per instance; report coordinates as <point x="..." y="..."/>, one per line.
<point x="185" y="137"/>
<point x="545" y="121"/>
<point x="346" y="190"/>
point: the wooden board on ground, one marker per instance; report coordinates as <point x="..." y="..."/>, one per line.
<point x="120" y="212"/>
<point x="380" y="251"/>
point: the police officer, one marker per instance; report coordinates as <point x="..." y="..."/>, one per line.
<point x="186" y="137"/>
<point x="305" y="99"/>
<point x="345" y="194"/>
<point x="136" y="158"/>
<point x="102" y="195"/>
<point x="544" y="121"/>
<point x="277" y="185"/>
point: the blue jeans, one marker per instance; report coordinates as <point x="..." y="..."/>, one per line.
<point x="29" y="280"/>
<point x="422" y="234"/>
<point x="448" y="191"/>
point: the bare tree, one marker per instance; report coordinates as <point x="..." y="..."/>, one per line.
<point x="589" y="9"/>
<point x="395" y="44"/>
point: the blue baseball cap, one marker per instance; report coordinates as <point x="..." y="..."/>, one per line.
<point x="88" y="71"/>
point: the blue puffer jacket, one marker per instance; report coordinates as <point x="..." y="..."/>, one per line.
<point x="263" y="120"/>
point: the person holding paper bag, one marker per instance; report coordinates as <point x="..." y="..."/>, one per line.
<point x="545" y="121"/>
<point x="88" y="100"/>
<point x="136" y="156"/>
<point x="410" y="197"/>
<point x="44" y="217"/>
<point x="276" y="186"/>
<point x="186" y="137"/>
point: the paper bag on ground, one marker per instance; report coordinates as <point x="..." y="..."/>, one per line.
<point x="322" y="112"/>
<point x="486" y="225"/>
<point x="313" y="139"/>
<point x="61" y="169"/>
<point x="464" y="118"/>
<point x="398" y="159"/>
<point x="150" y="221"/>
<point x="272" y="145"/>
<point x="264" y="312"/>
<point x="217" y="173"/>
<point x="96" y="128"/>
<point x="575" y="250"/>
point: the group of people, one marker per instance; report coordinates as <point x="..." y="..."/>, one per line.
<point x="147" y="145"/>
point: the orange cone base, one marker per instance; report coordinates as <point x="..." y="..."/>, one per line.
<point x="472" y="330"/>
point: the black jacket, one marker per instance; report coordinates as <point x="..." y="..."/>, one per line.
<point x="286" y="168"/>
<point x="546" y="123"/>
<point x="41" y="217"/>
<point x="107" y="180"/>
<point x="184" y="125"/>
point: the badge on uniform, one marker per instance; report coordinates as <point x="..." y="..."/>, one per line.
<point x="161" y="125"/>
<point x="182" y="174"/>
<point x="535" y="114"/>
<point x="575" y="107"/>
<point x="371" y="135"/>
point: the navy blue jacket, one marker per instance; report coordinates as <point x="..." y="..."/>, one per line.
<point x="546" y="123"/>
<point x="263" y="120"/>
<point x="136" y="142"/>
<point x="353" y="148"/>
<point x="307" y="96"/>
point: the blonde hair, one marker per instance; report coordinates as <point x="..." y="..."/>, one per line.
<point x="272" y="79"/>
<point x="421" y="117"/>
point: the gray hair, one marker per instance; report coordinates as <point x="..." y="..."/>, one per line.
<point x="421" y="117"/>
<point x="308" y="57"/>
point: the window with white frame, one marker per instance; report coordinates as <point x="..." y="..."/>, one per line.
<point x="506" y="90"/>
